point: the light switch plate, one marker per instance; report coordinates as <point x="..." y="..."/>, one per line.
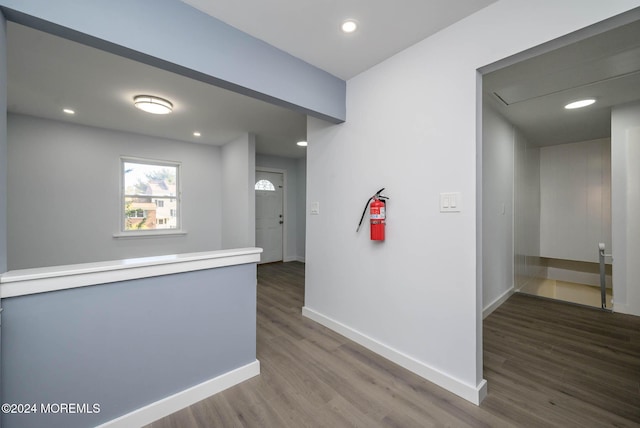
<point x="450" y="202"/>
<point x="315" y="208"/>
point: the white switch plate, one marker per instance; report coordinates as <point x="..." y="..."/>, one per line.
<point x="315" y="208"/>
<point x="450" y="202"/>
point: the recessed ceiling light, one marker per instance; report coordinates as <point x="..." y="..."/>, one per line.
<point x="580" y="103"/>
<point x="68" y="111"/>
<point x="302" y="143"/>
<point x="196" y="134"/>
<point x="349" y="26"/>
<point x="152" y="104"/>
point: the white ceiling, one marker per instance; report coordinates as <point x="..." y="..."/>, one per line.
<point x="47" y="73"/>
<point x="532" y="93"/>
<point x="310" y="29"/>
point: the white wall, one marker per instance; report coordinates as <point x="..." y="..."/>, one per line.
<point x="64" y="193"/>
<point x="625" y="204"/>
<point x="575" y="191"/>
<point x="296" y="191"/>
<point x="527" y="260"/>
<point x="238" y="194"/>
<point x="497" y="207"/>
<point x="510" y="210"/>
<point x="411" y="127"/>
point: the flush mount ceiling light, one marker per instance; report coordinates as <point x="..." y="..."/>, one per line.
<point x="196" y="134"/>
<point x="152" y="104"/>
<point x="302" y="143"/>
<point x="68" y="111"/>
<point x="580" y="104"/>
<point x="349" y="26"/>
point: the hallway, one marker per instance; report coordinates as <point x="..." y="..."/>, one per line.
<point x="547" y="364"/>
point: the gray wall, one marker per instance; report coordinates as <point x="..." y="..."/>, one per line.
<point x="125" y="345"/>
<point x="302" y="209"/>
<point x="296" y="195"/>
<point x="3" y="144"/>
<point x="63" y="194"/>
<point x="238" y="194"/>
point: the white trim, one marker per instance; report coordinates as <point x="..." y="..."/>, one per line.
<point x="474" y="394"/>
<point x="171" y="404"/>
<point x="622" y="308"/>
<point x="178" y="196"/>
<point x="41" y="280"/>
<point x="151" y="233"/>
<point x="496" y="303"/>
<point x="285" y="211"/>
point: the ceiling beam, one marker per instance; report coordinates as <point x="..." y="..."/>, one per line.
<point x="173" y="36"/>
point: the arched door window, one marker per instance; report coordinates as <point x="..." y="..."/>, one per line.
<point x="265" y="185"/>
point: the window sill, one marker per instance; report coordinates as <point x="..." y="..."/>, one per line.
<point x="150" y="234"/>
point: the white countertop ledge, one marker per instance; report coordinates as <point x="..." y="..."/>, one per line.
<point x="41" y="280"/>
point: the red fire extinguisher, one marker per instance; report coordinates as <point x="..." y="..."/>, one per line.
<point x="377" y="214"/>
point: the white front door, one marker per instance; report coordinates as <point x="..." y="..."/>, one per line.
<point x="269" y="215"/>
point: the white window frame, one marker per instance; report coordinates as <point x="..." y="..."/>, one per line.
<point x="123" y="233"/>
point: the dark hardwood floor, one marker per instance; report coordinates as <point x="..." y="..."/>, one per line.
<point x="548" y="364"/>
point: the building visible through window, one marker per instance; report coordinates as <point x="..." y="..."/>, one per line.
<point x="150" y="195"/>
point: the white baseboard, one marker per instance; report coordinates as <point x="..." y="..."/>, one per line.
<point x="294" y="259"/>
<point x="625" y="309"/>
<point x="497" y="302"/>
<point x="474" y="394"/>
<point x="171" y="404"/>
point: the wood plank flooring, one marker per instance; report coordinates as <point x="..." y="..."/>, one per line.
<point x="548" y="364"/>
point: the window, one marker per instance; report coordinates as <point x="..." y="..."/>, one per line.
<point x="150" y="195"/>
<point x="265" y="185"/>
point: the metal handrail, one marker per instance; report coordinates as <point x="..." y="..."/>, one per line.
<point x="603" y="277"/>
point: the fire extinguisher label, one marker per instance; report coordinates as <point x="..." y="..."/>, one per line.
<point x="378" y="216"/>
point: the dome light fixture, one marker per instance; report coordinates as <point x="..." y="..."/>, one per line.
<point x="302" y="143"/>
<point x="349" y="26"/>
<point x="152" y="104"/>
<point x="69" y="111"/>
<point x="196" y="133"/>
<point x="580" y="104"/>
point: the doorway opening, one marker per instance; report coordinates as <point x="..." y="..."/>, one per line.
<point x="547" y="172"/>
